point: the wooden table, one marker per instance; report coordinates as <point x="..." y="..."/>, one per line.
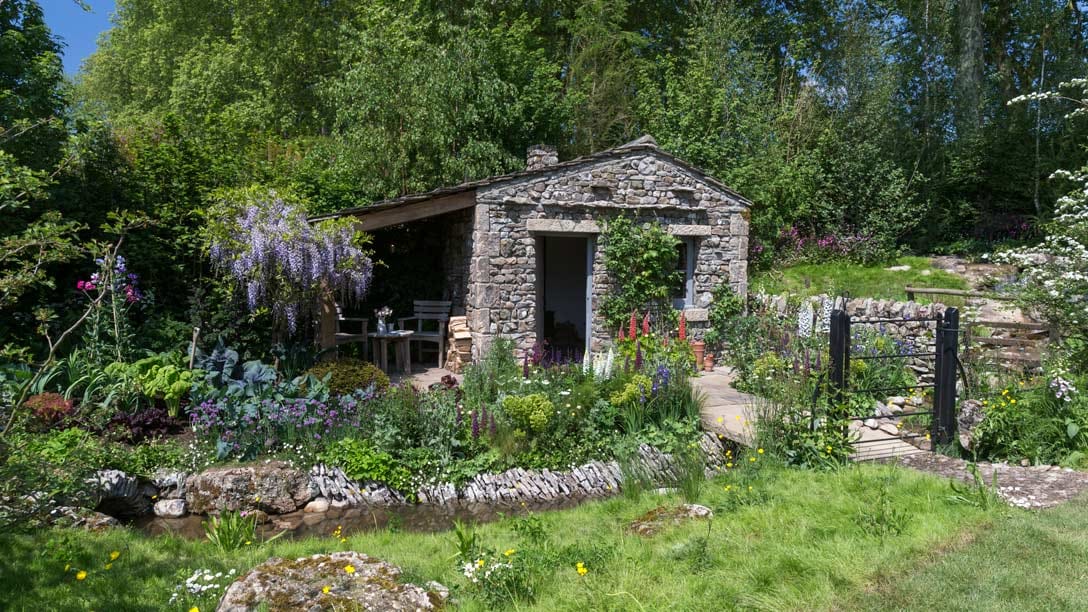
<point x="402" y="356"/>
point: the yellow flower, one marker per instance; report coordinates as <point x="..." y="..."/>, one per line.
<point x="760" y="451"/>
<point x="727" y="487"/>
<point x="325" y="589"/>
<point x="349" y="569"/>
<point x="257" y="498"/>
<point x="248" y="542"/>
<point x="80" y="575"/>
<point x="751" y="459"/>
<point x="721" y="420"/>
<point x="738" y="417"/>
<point x="114" y="555"/>
<point x="581" y="567"/>
<point x="343" y="540"/>
<point x="729" y="465"/>
<point x="194" y="609"/>
<point x="509" y="552"/>
<point x="1012" y="401"/>
<point x="109" y="566"/>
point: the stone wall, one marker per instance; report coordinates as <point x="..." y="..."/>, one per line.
<point x="919" y="329"/>
<point x="286" y="497"/>
<point x="456" y="258"/>
<point x="579" y="200"/>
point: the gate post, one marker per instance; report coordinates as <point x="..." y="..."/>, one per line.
<point x="839" y="352"/>
<point x="944" y="384"/>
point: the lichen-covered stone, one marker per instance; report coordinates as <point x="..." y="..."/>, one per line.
<point x="662" y="517"/>
<point x="85" y="518"/>
<point x="301" y="584"/>
<point x="275" y="488"/>
<point x="170" y="508"/>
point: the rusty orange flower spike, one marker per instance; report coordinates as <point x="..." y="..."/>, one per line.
<point x="621" y="334"/>
<point x="683" y="327"/>
<point x="631" y="329"/>
<point x="646" y="324"/>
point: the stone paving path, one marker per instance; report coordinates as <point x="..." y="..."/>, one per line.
<point x="729" y="412"/>
<point x="1032" y="487"/>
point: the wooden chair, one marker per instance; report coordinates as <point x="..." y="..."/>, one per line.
<point x="343" y="336"/>
<point x="437" y="311"/>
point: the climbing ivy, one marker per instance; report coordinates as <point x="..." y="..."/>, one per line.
<point x="641" y="263"/>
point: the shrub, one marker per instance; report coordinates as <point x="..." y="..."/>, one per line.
<point x="143" y="425"/>
<point x="49" y="409"/>
<point x="347" y="375"/>
<point x="529" y="412"/>
<point x="361" y="461"/>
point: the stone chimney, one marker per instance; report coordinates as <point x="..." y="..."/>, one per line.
<point x="540" y="156"/>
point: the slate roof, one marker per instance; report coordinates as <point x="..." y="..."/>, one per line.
<point x="645" y="143"/>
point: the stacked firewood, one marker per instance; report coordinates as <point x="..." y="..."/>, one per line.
<point x="459" y="353"/>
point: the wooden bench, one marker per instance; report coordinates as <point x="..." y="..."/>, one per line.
<point x="437" y="312"/>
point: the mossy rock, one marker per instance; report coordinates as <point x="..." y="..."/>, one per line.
<point x="338" y="581"/>
<point x="349" y="375"/>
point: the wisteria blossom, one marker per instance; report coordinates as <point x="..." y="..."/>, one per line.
<point x="282" y="261"/>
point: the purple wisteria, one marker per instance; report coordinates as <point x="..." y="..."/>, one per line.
<point x="282" y="261"/>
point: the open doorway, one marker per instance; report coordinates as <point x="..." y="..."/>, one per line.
<point x="563" y="287"/>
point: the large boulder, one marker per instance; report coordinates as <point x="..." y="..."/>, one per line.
<point x="274" y="487"/>
<point x="971" y="414"/>
<point x="83" y="518"/>
<point x="662" y="517"/>
<point x="323" y="582"/>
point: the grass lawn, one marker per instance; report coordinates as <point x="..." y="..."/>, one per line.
<point x="859" y="281"/>
<point x="795" y="541"/>
<point x="1023" y="561"/>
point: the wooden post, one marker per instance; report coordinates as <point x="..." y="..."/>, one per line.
<point x="326" y="333"/>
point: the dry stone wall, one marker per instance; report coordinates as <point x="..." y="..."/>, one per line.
<point x="917" y="332"/>
<point x="509" y="216"/>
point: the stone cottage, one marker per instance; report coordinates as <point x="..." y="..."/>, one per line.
<point x="519" y="253"/>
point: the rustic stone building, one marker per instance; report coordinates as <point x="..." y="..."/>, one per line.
<point x="519" y="253"/>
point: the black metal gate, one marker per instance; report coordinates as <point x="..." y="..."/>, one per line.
<point x="945" y="362"/>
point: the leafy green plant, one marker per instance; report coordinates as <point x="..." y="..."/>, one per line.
<point x="347" y="375"/>
<point x="166" y="381"/>
<point x="641" y="261"/>
<point x="690" y="468"/>
<point x="361" y="461"/>
<point x="881" y="518"/>
<point x="976" y="493"/>
<point x="230" y="530"/>
<point x="529" y="412"/>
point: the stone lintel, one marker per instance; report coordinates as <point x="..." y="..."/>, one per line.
<point x="562" y="226"/>
<point x="690" y="230"/>
<point x="696" y="315"/>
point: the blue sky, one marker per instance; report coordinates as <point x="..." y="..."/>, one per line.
<point x="77" y="29"/>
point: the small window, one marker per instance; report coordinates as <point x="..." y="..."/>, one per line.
<point x="683" y="295"/>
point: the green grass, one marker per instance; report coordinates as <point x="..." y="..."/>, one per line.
<point x="860" y="281"/>
<point x="797" y="543"/>
<point x="1024" y="561"/>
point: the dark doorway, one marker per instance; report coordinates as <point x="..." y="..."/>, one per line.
<point x="562" y="289"/>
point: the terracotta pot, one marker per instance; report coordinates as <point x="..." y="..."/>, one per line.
<point x="699" y="347"/>
<point x="708" y="363"/>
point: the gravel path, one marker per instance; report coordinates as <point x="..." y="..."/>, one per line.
<point x="1032" y="487"/>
